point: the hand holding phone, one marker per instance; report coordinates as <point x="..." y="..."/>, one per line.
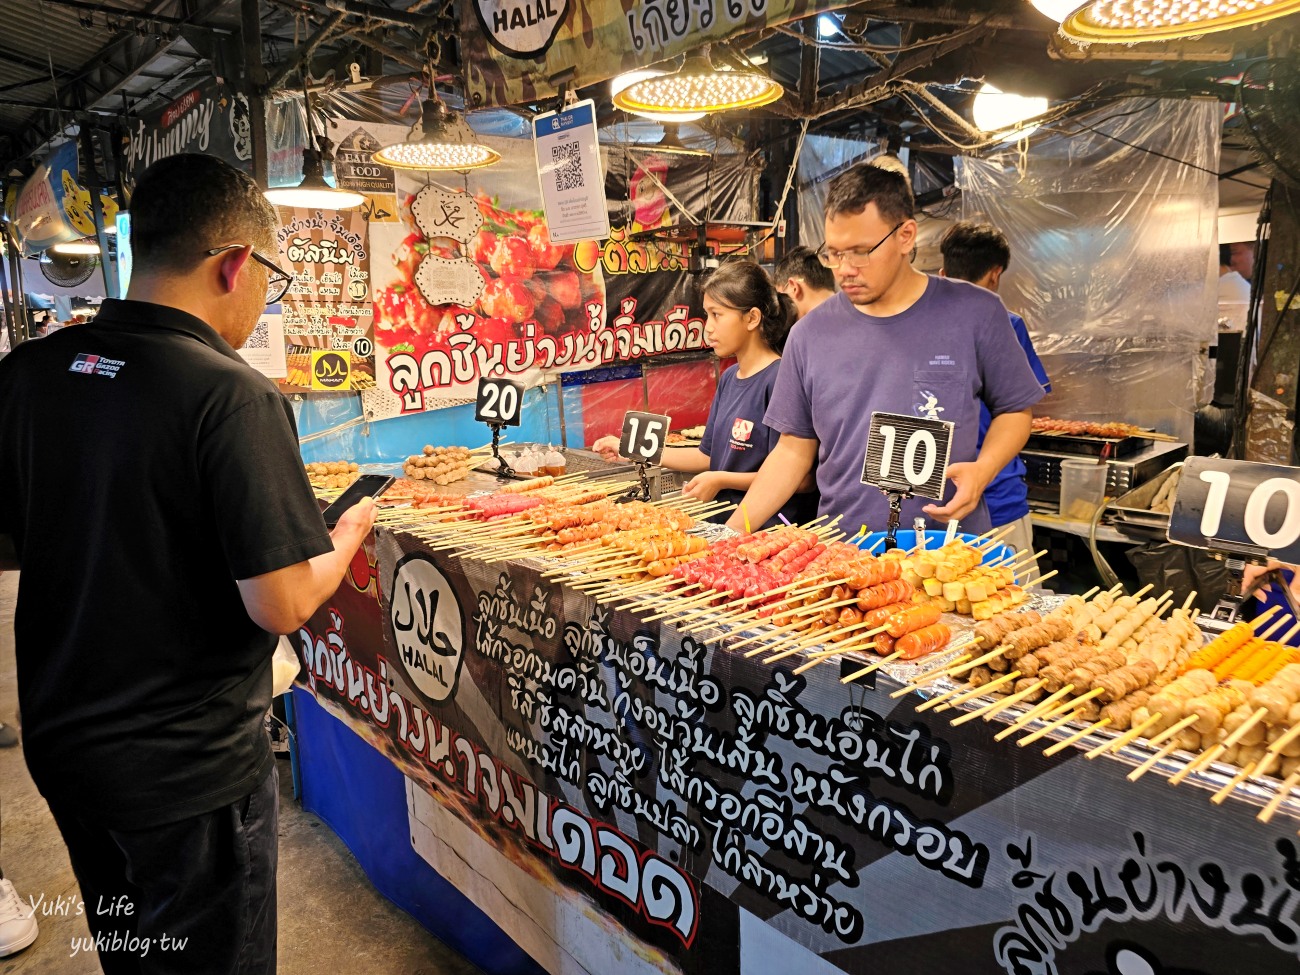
<point x="365" y="486"/>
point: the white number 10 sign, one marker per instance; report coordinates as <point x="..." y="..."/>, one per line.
<point x="1231" y="505"/>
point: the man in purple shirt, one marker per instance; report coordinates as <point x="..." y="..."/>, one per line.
<point x="893" y="340"/>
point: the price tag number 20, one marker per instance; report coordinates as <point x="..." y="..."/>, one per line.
<point x="498" y="401"/>
<point x="643" y="437"/>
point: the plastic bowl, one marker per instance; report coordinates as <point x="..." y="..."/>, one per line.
<point x="933" y="539"/>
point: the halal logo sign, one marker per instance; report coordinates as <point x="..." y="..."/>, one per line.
<point x="521" y="28"/>
<point x="428" y="627"/>
<point x="330" y="370"/>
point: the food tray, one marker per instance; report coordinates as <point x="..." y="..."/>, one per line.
<point x="1133" y="509"/>
<point x="1071" y="443"/>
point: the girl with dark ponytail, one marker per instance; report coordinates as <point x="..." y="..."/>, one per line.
<point x="746" y="317"/>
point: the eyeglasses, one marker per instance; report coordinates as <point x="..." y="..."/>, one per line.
<point x="857" y="257"/>
<point x="279" y="282"/>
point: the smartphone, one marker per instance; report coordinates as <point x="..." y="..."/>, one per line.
<point x="365" y="486"/>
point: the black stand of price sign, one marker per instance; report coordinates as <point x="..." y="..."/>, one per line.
<point x="503" y="469"/>
<point x="896" y="498"/>
<point x="642" y="491"/>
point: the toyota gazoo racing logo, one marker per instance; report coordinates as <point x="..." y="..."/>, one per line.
<point x="96" y="365"/>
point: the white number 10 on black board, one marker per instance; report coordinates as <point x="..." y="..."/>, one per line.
<point x="908" y="454"/>
<point x="1236" y="505"/>
<point x="499" y="401"/>
<point x="644" y="437"/>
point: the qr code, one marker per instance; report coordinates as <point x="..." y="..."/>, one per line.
<point x="261" y="337"/>
<point x="568" y="166"/>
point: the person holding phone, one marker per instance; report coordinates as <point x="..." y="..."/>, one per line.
<point x="747" y="318"/>
<point x="157" y="571"/>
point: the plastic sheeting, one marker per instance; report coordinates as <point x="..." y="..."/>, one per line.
<point x="1113" y="233"/>
<point x="823" y="158"/>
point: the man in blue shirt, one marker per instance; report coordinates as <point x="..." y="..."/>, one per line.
<point x="979" y="253"/>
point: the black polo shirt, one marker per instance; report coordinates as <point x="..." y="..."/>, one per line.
<point x="144" y="467"/>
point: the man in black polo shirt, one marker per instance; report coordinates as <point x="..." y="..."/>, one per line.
<point x="152" y="494"/>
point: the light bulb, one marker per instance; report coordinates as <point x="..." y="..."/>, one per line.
<point x="997" y="111"/>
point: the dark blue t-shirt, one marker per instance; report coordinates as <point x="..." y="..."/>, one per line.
<point x="1007" y="495"/>
<point x="735" y="437"/>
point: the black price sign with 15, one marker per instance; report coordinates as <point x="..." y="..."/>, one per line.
<point x="908" y="454"/>
<point x="499" y="401"/>
<point x="644" y="437"/>
<point x="1238" y="506"/>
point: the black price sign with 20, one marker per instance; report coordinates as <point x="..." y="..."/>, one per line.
<point x="644" y="437"/>
<point x="500" y="401"/>
<point x="1232" y="504"/>
<point x="908" y="454"/>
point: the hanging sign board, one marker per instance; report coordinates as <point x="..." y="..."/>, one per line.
<point x="908" y="454"/>
<point x="568" y="166"/>
<point x="1237" y="506"/>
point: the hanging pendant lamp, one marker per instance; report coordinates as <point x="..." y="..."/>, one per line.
<point x="1134" y="21"/>
<point x="313" y="193"/>
<point x="698" y="86"/>
<point x="444" y="142"/>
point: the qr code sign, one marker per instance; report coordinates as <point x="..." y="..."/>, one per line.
<point x="568" y="166"/>
<point x="261" y="337"/>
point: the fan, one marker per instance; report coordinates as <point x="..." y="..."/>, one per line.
<point x="67" y="270"/>
<point x="1270" y="103"/>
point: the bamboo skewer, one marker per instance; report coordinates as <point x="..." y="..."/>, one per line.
<point x="1041" y="579"/>
<point x="927" y="675"/>
<point x="873" y="666"/>
<point x="1200" y="761"/>
<point x="1232" y="784"/>
<point x="1264" y="617"/>
<point x="781" y="655"/>
<point x="1048" y="728"/>
<point x="1128" y="737"/>
<point x="993" y="707"/>
<point x="1290" y="783"/>
<point x="826" y="655"/>
<point x="975" y="692"/>
<point x="1268" y="634"/>
<point x="1151" y="762"/>
<point x="1245" y="726"/>
<point x="1078" y="736"/>
<point x="1038" y="710"/>
<point x="1187" y="603"/>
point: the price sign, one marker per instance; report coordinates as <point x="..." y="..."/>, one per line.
<point x="644" y="435"/>
<point x="500" y="401"/>
<point x="1237" y="506"/>
<point x="908" y="454"/>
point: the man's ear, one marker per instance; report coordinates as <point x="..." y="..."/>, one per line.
<point x="943" y="273"/>
<point x="795" y="289"/>
<point x="995" y="275"/>
<point x="233" y="264"/>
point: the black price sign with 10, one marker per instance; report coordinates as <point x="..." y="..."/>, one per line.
<point x="908" y="454"/>
<point x="500" y="402"/>
<point x="644" y="437"/>
<point x="1238" y="506"/>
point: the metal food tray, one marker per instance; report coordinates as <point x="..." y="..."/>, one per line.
<point x="1076" y="443"/>
<point x="1133" y="509"/>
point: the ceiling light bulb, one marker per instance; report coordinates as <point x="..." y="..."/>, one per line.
<point x="77" y="248"/>
<point x="313" y="193"/>
<point x="997" y="111"/>
<point x="444" y="142"/>
<point x="1057" y="10"/>
<point x="1100" y="22"/>
<point x="628" y="78"/>
<point x="699" y="87"/>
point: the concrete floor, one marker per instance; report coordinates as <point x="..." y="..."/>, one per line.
<point x="331" y="918"/>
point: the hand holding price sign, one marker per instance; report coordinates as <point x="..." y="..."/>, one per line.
<point x="908" y="455"/>
<point x="500" y="402"/>
<point x="644" y="436"/>
<point x="1238" y="507"/>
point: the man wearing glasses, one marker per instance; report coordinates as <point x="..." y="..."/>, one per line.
<point x="153" y="497"/>
<point x="892" y="340"/>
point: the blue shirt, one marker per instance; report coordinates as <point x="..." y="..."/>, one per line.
<point x="1006" y="495"/>
<point x="735" y="437"/>
<point x="939" y="358"/>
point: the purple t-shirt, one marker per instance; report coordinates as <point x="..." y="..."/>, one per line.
<point x="735" y="437"/>
<point x="953" y="349"/>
